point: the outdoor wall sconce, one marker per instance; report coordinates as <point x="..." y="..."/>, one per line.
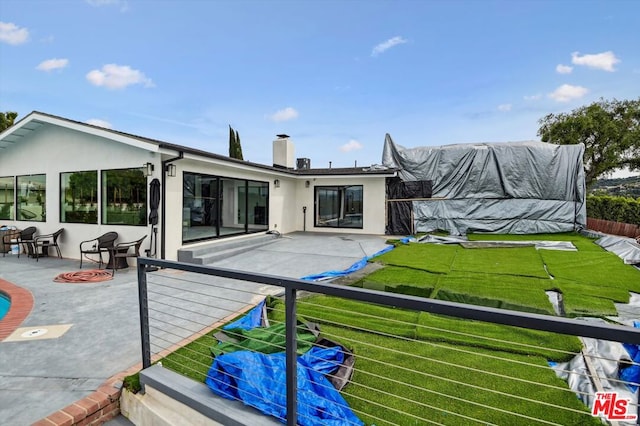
<point x="147" y="169"/>
<point x="276" y="183"/>
<point x="307" y="184"/>
<point x="171" y="170"/>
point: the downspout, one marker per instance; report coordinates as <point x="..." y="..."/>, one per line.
<point x="163" y="201"/>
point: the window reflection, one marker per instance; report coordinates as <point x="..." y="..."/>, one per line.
<point x="79" y="195"/>
<point x="215" y="206"/>
<point x="339" y="206"/>
<point x="32" y="198"/>
<point x="124" y="197"/>
<point x="7" y="194"/>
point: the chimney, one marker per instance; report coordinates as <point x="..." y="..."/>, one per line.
<point x="283" y="152"/>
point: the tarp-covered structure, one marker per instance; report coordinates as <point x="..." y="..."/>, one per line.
<point x="505" y="188"/>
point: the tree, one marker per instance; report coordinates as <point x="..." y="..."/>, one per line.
<point x="7" y="119"/>
<point x="238" y="147"/>
<point x="609" y="130"/>
<point x="235" y="150"/>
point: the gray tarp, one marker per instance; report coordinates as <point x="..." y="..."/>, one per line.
<point x="514" y="187"/>
<point x="626" y="248"/>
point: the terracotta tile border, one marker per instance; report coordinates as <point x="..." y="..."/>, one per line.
<point x="21" y="306"/>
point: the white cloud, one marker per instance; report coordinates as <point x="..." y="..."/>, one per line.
<point x="284" y="115"/>
<point x="504" y="107"/>
<point x="114" y="76"/>
<point x="567" y="92"/>
<point x="563" y="69"/>
<point x="124" y="6"/>
<point x="52" y="64"/>
<point x="535" y="97"/>
<point x="12" y="34"/>
<point x="352" y="145"/>
<point x="386" y="45"/>
<point x="603" y="61"/>
<point x="100" y="123"/>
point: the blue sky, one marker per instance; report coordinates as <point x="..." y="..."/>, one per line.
<point x="335" y="75"/>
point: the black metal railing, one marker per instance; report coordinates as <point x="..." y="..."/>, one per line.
<point x="291" y="287"/>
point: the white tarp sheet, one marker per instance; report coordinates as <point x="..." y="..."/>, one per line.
<point x="626" y="248"/>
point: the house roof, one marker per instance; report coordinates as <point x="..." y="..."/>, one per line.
<point x="36" y="119"/>
<point x="339" y="171"/>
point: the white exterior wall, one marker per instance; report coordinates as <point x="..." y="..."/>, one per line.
<point x="52" y="150"/>
<point x="373" y="198"/>
<point x="282" y="205"/>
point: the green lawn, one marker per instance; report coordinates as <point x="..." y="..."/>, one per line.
<point x="413" y="365"/>
<point x="590" y="279"/>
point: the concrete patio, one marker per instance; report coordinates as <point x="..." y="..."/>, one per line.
<point x="100" y="334"/>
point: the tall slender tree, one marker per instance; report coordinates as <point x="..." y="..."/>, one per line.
<point x="235" y="149"/>
<point x="238" y="147"/>
<point x="232" y="143"/>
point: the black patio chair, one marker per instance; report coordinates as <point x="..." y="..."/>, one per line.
<point x="42" y="244"/>
<point x="102" y="244"/>
<point x="121" y="251"/>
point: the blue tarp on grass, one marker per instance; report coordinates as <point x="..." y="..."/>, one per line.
<point x="252" y="319"/>
<point x="259" y="380"/>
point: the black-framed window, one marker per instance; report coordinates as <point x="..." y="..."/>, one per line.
<point x="79" y="197"/>
<point x="124" y="197"/>
<point x="338" y="206"/>
<point x="216" y="206"/>
<point x="31" y="198"/>
<point x="7" y="197"/>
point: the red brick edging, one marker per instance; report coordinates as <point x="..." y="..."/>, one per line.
<point x="97" y="408"/>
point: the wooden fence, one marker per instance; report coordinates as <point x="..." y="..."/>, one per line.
<point x="614" y="228"/>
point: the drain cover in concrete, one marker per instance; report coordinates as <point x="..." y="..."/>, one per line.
<point x="24" y="334"/>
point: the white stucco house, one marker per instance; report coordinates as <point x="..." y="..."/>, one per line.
<point x="60" y="173"/>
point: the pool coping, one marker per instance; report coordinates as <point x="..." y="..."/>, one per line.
<point x="20" y="308"/>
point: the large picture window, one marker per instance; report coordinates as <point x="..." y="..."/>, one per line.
<point x="7" y="197"/>
<point x="124" y="197"/>
<point x="214" y="206"/>
<point x="32" y="196"/>
<point x="79" y="195"/>
<point x="338" y="206"/>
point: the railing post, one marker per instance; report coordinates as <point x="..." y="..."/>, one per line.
<point x="144" y="315"/>
<point x="291" y="356"/>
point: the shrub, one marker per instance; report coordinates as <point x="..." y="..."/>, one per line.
<point x="617" y="209"/>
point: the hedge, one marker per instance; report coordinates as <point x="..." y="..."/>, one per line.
<point x="617" y="209"/>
